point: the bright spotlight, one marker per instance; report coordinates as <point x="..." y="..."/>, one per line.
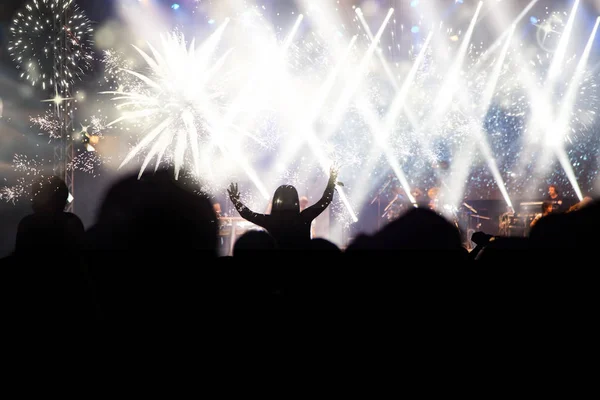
<point x="415" y="29"/>
<point x="175" y="6"/>
<point x="533" y="20"/>
<point x="414" y="3"/>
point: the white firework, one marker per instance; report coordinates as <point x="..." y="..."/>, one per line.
<point x="176" y="105"/>
<point x="30" y="169"/>
<point x="38" y="46"/>
<point x="88" y="162"/>
<point x="49" y="124"/>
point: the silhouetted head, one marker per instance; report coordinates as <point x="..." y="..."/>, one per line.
<point x="419" y="229"/>
<point x="158" y="213"/>
<point x="49" y="195"/>
<point x="323" y="245"/>
<point x="285" y="199"/>
<point x="49" y="234"/>
<point x="254" y="242"/>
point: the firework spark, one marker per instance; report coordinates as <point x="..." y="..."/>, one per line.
<point x="30" y="169"/>
<point x="37" y="43"/>
<point x="98" y="125"/>
<point x="116" y="77"/>
<point x="49" y="125"/>
<point x="88" y="162"/>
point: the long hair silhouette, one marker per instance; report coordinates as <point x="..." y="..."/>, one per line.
<point x="285" y="199"/>
<point x="290" y="227"/>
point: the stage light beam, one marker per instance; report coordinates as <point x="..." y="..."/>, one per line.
<point x="354" y="84"/>
<point x="557" y="135"/>
<point x="450" y="85"/>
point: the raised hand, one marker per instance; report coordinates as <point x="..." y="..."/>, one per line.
<point x="234" y="194"/>
<point x="333" y="174"/>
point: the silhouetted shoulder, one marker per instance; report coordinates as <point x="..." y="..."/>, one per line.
<point x="49" y="230"/>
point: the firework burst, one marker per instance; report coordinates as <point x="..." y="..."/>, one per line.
<point x="177" y="103"/>
<point x="38" y="48"/>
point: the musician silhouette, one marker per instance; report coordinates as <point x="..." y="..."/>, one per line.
<point x="555" y="198"/>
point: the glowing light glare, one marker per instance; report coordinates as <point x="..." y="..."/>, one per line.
<point x="177" y="104"/>
<point x="175" y="6"/>
<point x="37" y="34"/>
<point x="259" y="78"/>
<point x="57" y="99"/>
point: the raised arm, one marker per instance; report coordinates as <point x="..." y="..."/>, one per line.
<point x="316" y="209"/>
<point x="245" y="212"/>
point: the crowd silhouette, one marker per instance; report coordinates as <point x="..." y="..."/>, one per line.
<point x="152" y="256"/>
